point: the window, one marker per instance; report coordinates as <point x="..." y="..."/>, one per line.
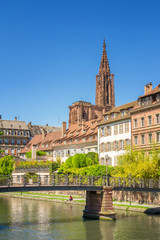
<point x="109" y="146"/>
<point x="115" y="129"/>
<point x="116" y="145"/>
<point x="121" y="128"/>
<point x="102" y="147"/>
<point x="108" y="130"/>
<point x="150" y="138"/>
<point x="112" y="146"/>
<point x="18" y="142"/>
<point x="135" y="123"/>
<point x="6" y="150"/>
<point x="157" y="118"/>
<point x="136" y="140"/>
<point x="90" y="138"/>
<point x="142" y="122"/>
<point x="84" y="139"/>
<point x="6" y="132"/>
<point x="76" y="140"/>
<point x="122" y="113"/>
<point x="24" y="133"/>
<point x="142" y="139"/>
<point x="0" y="140"/>
<point x="126" y="127"/>
<point x="12" y="133"/>
<point x="18" y="150"/>
<point x="24" y="142"/>
<point x="12" y="150"/>
<point x="149" y="120"/>
<point x="18" y="133"/>
<point x="121" y="144"/>
<point x="127" y="142"/>
<point x="6" y="141"/>
<point x="12" y="141"/>
<point x="158" y="137"/>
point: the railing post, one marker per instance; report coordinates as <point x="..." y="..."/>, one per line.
<point x="89" y="182"/>
<point x="140" y="183"/>
<point x="24" y="180"/>
<point x="119" y="182"/>
<point x="80" y="181"/>
<point x="150" y="183"/>
<point x="104" y="181"/>
<point x="129" y="184"/>
<point x="134" y="183"/>
<point x="66" y="180"/>
<point x="92" y="180"/>
<point x="8" y="181"/>
<point x="53" y="180"/>
<point x="39" y="181"/>
<point x="124" y="182"/>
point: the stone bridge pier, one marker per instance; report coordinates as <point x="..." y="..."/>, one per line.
<point x="99" y="205"/>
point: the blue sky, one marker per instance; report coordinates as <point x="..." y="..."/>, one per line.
<point x="50" y="53"/>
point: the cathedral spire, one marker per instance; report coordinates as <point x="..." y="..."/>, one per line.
<point x="104" y="65"/>
<point x="105" y="84"/>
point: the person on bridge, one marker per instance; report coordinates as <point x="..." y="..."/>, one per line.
<point x="70" y="198"/>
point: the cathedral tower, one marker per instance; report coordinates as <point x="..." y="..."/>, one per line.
<point x="105" y="84"/>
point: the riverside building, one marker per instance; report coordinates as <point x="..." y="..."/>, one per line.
<point x="114" y="133"/>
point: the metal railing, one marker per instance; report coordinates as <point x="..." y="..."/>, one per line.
<point x="118" y="183"/>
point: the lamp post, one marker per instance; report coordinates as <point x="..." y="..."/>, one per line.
<point x="106" y="158"/>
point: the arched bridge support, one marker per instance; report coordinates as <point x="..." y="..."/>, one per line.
<point x="99" y="205"/>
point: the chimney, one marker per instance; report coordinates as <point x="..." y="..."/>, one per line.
<point x="47" y="124"/>
<point x="148" y="88"/>
<point x="0" y="117"/>
<point x="34" y="147"/>
<point x="63" y="129"/>
<point x="15" y="118"/>
<point x="43" y="133"/>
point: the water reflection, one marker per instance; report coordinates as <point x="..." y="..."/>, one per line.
<point x="32" y="219"/>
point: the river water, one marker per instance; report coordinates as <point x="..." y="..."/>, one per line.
<point x="23" y="219"/>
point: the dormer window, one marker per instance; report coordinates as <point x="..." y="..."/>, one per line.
<point x="76" y="140"/>
<point x="112" y="116"/>
<point x="84" y="139"/>
<point x="122" y="113"/>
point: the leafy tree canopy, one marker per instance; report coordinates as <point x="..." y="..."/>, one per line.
<point x="6" y="165"/>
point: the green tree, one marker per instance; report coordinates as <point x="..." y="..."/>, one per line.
<point x="6" y="165"/>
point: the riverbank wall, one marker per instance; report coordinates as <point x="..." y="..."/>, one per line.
<point x="150" y="198"/>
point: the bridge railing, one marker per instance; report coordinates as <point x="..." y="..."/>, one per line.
<point x="68" y="180"/>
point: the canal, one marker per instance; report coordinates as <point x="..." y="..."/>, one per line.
<point x="23" y="219"/>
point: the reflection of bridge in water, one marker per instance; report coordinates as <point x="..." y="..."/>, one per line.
<point x="98" y="189"/>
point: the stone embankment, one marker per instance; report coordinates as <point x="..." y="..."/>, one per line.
<point x="80" y="200"/>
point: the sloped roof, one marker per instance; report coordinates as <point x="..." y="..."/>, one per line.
<point x="13" y="124"/>
<point x="118" y="111"/>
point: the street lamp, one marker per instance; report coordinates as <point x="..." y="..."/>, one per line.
<point x="106" y="158"/>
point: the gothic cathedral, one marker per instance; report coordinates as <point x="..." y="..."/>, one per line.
<point x="104" y="101"/>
